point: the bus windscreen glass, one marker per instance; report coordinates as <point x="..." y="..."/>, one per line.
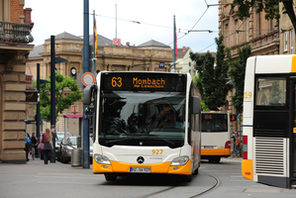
<point x="142" y="118"/>
<point x="211" y="122"/>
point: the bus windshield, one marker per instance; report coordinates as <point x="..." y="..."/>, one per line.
<point x="211" y="122"/>
<point x="144" y="118"/>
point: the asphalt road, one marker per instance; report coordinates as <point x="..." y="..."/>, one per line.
<point x="35" y="179"/>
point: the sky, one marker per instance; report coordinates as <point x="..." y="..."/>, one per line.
<point x="155" y="17"/>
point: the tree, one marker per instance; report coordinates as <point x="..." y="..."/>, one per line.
<point x="211" y="79"/>
<point x="237" y="75"/>
<point x="270" y="7"/>
<point x="66" y="93"/>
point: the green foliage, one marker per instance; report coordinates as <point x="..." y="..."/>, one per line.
<point x="66" y="93"/>
<point x="211" y="80"/>
<point x="270" y="7"/>
<point x="237" y="75"/>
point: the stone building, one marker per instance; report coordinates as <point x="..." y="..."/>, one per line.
<point x="15" y="26"/>
<point x="261" y="34"/>
<point x="287" y="34"/>
<point x="144" y="57"/>
<point x="184" y="64"/>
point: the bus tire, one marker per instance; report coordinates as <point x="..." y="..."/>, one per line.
<point x="110" y="177"/>
<point x="187" y="178"/>
<point x="195" y="172"/>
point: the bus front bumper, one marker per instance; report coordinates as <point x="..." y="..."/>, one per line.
<point x="223" y="152"/>
<point x="160" y="168"/>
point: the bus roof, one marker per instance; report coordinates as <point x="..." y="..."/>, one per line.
<point x="269" y="64"/>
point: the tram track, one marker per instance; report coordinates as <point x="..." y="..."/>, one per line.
<point x="216" y="185"/>
<point x="211" y="188"/>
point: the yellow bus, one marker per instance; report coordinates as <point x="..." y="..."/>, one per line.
<point x="269" y="120"/>
<point x="215" y="136"/>
<point x="145" y="122"/>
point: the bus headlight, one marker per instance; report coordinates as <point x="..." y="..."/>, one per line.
<point x="101" y="159"/>
<point x="180" y="161"/>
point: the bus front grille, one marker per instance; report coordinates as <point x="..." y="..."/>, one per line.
<point x="270" y="156"/>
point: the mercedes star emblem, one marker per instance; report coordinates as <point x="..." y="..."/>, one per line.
<point x="140" y="160"/>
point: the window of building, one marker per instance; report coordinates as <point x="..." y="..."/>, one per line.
<point x="291" y="41"/>
<point x="247" y="29"/>
<point x="285" y="41"/>
<point x="237" y="31"/>
<point x="258" y="24"/>
<point x="226" y="33"/>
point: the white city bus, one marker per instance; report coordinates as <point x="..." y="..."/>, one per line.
<point x="215" y="136"/>
<point x="145" y="122"/>
<point x="269" y="124"/>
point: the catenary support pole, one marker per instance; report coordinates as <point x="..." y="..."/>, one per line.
<point x="52" y="91"/>
<point x="85" y="137"/>
<point x="38" y="105"/>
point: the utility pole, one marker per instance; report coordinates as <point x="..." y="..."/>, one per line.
<point x="38" y="105"/>
<point x="52" y="91"/>
<point x="175" y="40"/>
<point x="94" y="42"/>
<point x="85" y="137"/>
<point x="115" y="20"/>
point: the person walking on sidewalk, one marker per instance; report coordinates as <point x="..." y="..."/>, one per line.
<point x="34" y="140"/>
<point x="47" y="141"/>
<point x="28" y="143"/>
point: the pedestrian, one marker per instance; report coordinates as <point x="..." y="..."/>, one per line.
<point x="237" y="144"/>
<point x="28" y="143"/>
<point x="34" y="140"/>
<point x="47" y="141"/>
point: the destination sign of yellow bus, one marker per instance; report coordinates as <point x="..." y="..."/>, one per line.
<point x="148" y="83"/>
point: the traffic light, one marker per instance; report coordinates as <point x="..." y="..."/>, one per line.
<point x="232" y="117"/>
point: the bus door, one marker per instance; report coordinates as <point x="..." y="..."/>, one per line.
<point x="271" y="130"/>
<point x="293" y="133"/>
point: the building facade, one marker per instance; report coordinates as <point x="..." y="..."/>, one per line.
<point x="184" y="64"/>
<point x="149" y="56"/>
<point x="287" y="33"/>
<point x="15" y="26"/>
<point x="261" y="34"/>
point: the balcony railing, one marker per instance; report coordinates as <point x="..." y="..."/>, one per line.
<point x="15" y="32"/>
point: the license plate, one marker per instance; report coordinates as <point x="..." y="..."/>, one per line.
<point x="140" y="170"/>
<point x="208" y="147"/>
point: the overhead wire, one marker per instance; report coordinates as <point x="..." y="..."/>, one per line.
<point x="185" y="33"/>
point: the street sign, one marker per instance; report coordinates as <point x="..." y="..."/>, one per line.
<point x="88" y="78"/>
<point x="161" y="64"/>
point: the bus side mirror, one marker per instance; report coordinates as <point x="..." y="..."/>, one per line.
<point x="196" y="105"/>
<point x="87" y="94"/>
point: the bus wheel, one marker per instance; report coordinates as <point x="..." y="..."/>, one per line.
<point x="110" y="177"/>
<point x="195" y="172"/>
<point x="187" y="178"/>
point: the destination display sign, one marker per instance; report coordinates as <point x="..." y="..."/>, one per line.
<point x="135" y="81"/>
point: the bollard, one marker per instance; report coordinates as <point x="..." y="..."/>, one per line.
<point x="76" y="157"/>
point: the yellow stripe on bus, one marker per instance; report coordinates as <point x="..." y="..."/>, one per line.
<point x="120" y="167"/>
<point x="293" y="66"/>
<point x="247" y="169"/>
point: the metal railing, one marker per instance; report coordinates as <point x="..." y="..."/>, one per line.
<point x="15" y="32"/>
